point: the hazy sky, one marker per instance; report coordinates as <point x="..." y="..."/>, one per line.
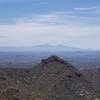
<point x="74" y="23"/>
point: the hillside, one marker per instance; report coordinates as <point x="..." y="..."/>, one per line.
<point x="51" y="79"/>
<point x="93" y="75"/>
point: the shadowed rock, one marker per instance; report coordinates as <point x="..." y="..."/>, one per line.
<point x="53" y="59"/>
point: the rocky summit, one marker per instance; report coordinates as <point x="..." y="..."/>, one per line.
<point x="51" y="79"/>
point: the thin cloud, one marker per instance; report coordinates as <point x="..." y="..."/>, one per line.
<point x="82" y="9"/>
<point x="87" y="8"/>
<point x="54" y="28"/>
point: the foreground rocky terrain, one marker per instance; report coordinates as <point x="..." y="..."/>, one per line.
<point x="51" y="79"/>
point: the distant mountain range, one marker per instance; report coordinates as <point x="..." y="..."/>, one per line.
<point x="44" y="47"/>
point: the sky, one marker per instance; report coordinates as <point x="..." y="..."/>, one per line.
<point x="25" y="23"/>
